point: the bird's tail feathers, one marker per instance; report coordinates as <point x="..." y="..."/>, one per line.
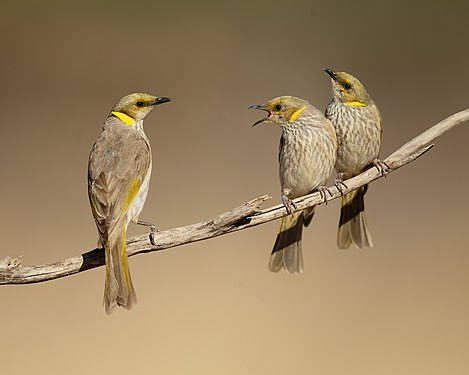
<point x="287" y="251"/>
<point x="353" y="227"/>
<point x="308" y="215"/>
<point x="118" y="289"/>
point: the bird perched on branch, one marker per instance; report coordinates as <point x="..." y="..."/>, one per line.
<point x="357" y="123"/>
<point x="119" y="172"/>
<point x="307" y="155"/>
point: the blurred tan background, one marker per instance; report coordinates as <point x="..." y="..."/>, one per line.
<point x="212" y="307"/>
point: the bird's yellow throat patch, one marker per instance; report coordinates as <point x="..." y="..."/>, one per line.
<point x="355" y="104"/>
<point x="295" y="114"/>
<point x="126" y="118"/>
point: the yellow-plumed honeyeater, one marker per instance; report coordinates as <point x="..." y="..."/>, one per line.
<point x="119" y="172"/>
<point x="307" y="156"/>
<point x="357" y="123"/>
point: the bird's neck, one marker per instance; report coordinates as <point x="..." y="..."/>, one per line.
<point x="139" y="125"/>
<point x="129" y="120"/>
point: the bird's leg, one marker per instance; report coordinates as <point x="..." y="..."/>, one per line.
<point x="153" y="230"/>
<point x="323" y="191"/>
<point x="339" y="183"/>
<point x="381" y="166"/>
<point x="288" y="203"/>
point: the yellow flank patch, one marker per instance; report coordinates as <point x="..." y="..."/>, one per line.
<point x="296" y="114"/>
<point x="133" y="191"/>
<point x="124" y="259"/>
<point x="355" y="104"/>
<point x="126" y="118"/>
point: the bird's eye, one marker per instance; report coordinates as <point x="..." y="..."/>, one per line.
<point x="348" y="86"/>
<point x="278" y="107"/>
<point x="140" y="104"/>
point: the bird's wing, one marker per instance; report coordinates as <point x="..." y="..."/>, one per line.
<point x="118" y="163"/>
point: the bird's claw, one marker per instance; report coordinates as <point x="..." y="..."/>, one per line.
<point x="152" y="237"/>
<point x="381" y="166"/>
<point x="288" y="203"/>
<point x="339" y="183"/>
<point x="323" y="191"/>
<point x="153" y="229"/>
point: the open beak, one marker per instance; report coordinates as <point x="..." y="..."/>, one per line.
<point x="262" y="108"/>
<point x="161" y="100"/>
<point x="331" y="73"/>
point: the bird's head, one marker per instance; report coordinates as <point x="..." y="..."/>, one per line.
<point x="347" y="89"/>
<point x="135" y="107"/>
<point x="282" y="110"/>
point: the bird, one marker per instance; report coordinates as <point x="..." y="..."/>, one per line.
<point x="307" y="155"/>
<point x="358" y="126"/>
<point x="119" y="170"/>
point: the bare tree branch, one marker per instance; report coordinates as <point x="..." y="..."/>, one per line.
<point x="242" y="217"/>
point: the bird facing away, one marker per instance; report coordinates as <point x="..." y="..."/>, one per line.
<point x="306" y="156"/>
<point x="357" y="123"/>
<point x="119" y="172"/>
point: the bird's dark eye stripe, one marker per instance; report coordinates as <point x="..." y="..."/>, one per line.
<point x="140" y="104"/>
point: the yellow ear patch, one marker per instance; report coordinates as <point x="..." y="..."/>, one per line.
<point x="296" y="114"/>
<point x="355" y="104"/>
<point x="126" y="118"/>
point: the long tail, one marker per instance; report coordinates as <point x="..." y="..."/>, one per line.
<point x="287" y="252"/>
<point x="118" y="288"/>
<point x="353" y="227"/>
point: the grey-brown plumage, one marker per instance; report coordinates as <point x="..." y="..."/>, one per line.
<point x="113" y="170"/>
<point x="306" y="160"/>
<point x="357" y="123"/>
<point x="119" y="172"/>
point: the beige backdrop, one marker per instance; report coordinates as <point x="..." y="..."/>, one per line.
<point x="212" y="307"/>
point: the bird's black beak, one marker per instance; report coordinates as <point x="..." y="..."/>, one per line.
<point x="161" y="100"/>
<point x="331" y="73"/>
<point x="262" y="108"/>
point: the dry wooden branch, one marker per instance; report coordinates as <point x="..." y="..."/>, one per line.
<point x="242" y="217"/>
